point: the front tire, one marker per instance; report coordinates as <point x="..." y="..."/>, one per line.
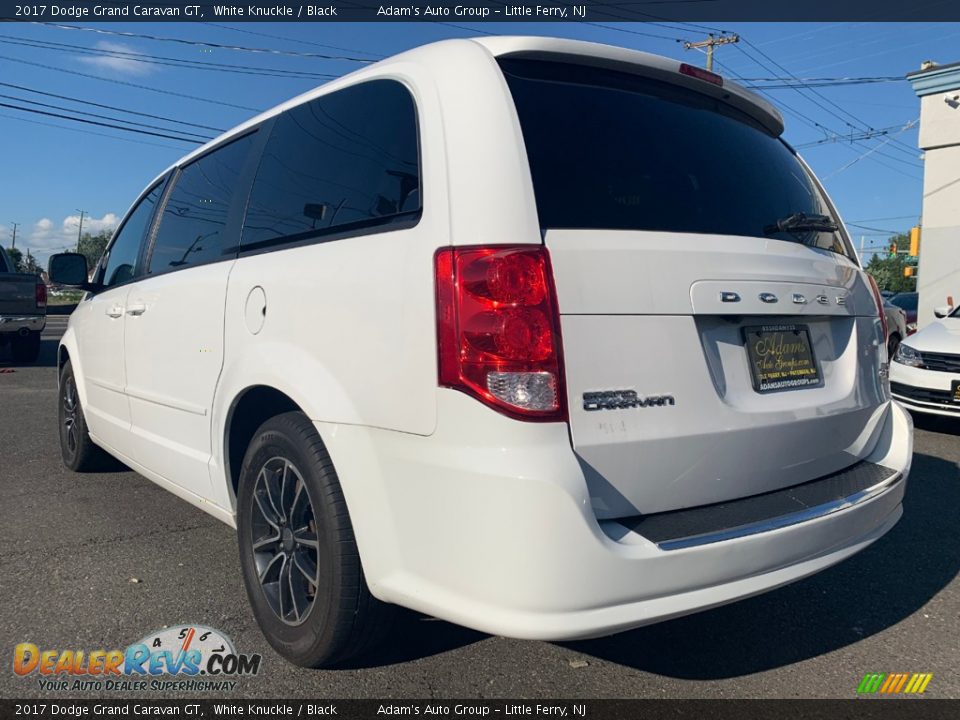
<point x="298" y="554"/>
<point x="78" y="451"/>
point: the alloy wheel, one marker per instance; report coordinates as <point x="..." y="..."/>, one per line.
<point x="284" y="541"/>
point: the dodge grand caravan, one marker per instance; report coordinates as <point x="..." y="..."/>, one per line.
<point x="547" y="338"/>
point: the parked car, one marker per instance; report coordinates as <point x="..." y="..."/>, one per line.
<point x="23" y="311"/>
<point x="896" y="327"/>
<point x="514" y="352"/>
<point x="925" y="373"/>
<point x="908" y="301"/>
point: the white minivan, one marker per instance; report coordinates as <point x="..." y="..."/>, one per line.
<point x="546" y="338"/>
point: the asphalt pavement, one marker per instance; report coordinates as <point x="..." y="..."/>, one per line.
<point x="97" y="561"/>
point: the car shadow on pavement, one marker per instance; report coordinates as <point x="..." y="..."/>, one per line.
<point x="878" y="588"/>
<point x="414" y="636"/>
<point x="47" y="358"/>
<point x="937" y="423"/>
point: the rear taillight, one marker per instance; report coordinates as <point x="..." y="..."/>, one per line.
<point x="498" y="331"/>
<point x="41" y="295"/>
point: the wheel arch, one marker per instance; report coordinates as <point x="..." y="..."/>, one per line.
<point x="249" y="410"/>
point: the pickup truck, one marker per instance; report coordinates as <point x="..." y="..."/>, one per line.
<point x="23" y="311"/>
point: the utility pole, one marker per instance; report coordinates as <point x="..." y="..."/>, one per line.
<point x="15" y="226"/>
<point x="80" y="229"/>
<point x="710" y="43"/>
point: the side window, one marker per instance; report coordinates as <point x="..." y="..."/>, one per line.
<point x="350" y="158"/>
<point x="192" y="226"/>
<point x="121" y="260"/>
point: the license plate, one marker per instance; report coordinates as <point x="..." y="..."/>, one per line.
<point x="781" y="357"/>
<point x="955" y="391"/>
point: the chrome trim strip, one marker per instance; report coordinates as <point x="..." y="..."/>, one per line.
<point x="926" y="404"/>
<point x="784" y="520"/>
<point x="32" y="319"/>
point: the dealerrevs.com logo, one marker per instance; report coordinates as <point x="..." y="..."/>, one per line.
<point x="894" y="683"/>
<point x="179" y="658"/>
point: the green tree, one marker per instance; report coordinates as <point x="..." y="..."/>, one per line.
<point x="93" y="245"/>
<point x="29" y="264"/>
<point x="16" y="259"/>
<point x="888" y="271"/>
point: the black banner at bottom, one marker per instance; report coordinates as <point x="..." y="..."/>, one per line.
<point x="859" y="709"/>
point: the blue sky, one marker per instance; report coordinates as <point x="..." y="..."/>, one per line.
<point x="50" y="171"/>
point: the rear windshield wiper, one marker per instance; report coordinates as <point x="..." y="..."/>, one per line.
<point x="801" y="222"/>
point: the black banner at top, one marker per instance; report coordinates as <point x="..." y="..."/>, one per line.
<point x="604" y="11"/>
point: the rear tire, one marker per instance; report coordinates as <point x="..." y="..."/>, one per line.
<point x="78" y="451"/>
<point x="26" y="349"/>
<point x="298" y="554"/>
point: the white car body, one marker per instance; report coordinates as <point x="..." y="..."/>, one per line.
<point x="524" y="529"/>
<point x="932" y="384"/>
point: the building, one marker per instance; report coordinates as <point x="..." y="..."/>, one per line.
<point x="938" y="87"/>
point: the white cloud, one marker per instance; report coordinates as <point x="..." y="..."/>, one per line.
<point x="121" y="64"/>
<point x="47" y="237"/>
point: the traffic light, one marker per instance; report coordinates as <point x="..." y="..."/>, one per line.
<point x="893" y="249"/>
<point x="915" y="241"/>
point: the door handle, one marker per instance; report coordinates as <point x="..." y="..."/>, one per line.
<point x="137" y="308"/>
<point x="115" y="311"/>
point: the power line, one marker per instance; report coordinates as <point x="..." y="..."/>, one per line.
<point x="815" y="92"/>
<point x="95" y="115"/>
<point x="110" y="107"/>
<point x="895" y="217"/>
<point x="849" y="137"/>
<point x="824" y="83"/>
<point x="295" y="40"/>
<point x="214" y="45"/>
<point x="874" y="149"/>
<point x="804" y="118"/>
<point x="33" y="121"/>
<point x="101" y="124"/>
<point x="826" y="130"/>
<point x="876" y="229"/>
<point x="164" y="60"/>
<point x="129" y="84"/>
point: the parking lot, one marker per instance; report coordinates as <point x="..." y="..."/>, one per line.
<point x="98" y="561"/>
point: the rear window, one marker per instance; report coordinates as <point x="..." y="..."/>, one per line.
<point x="610" y="150"/>
<point x="343" y="162"/>
<point x="906" y="301"/>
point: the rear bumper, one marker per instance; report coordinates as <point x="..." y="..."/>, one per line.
<point x="922" y="390"/>
<point x="492" y="527"/>
<point x="14" y="324"/>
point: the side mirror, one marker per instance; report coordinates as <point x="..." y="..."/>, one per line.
<point x="68" y="269"/>
<point x="942" y="311"/>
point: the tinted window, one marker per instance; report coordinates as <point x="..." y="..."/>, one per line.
<point x="611" y="150"/>
<point x="195" y="216"/>
<point x="3" y="264"/>
<point x="121" y="260"/>
<point x="346" y="159"/>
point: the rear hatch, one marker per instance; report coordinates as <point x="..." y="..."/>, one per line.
<point x="709" y="352"/>
<point x="18" y="294"/>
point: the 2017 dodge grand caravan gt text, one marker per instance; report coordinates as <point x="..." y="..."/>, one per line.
<point x="546" y="338"/>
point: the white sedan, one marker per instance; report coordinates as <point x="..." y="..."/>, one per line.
<point x="925" y="372"/>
